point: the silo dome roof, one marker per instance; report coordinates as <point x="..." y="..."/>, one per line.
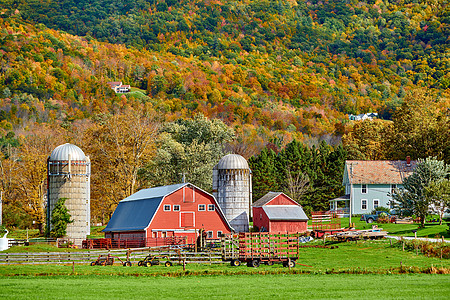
<point x="62" y="153"/>
<point x="232" y="161"/>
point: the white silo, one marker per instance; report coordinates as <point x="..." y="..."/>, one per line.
<point x="232" y="187"/>
<point x="69" y="172"/>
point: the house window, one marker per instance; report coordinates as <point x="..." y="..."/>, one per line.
<point x="364" y="204"/>
<point x="211" y="207"/>
<point x="209" y="235"/>
<point x="393" y="187"/>
<point x="364" y="189"/>
<point x="201" y="207"/>
<point x="166" y="207"/>
<point x="376" y="203"/>
<point x="219" y="234"/>
<point x="176" y="208"/>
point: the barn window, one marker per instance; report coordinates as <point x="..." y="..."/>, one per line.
<point x="176" y="208"/>
<point x="211" y="207"/>
<point x="166" y="207"/>
<point x="201" y="207"/>
<point x="363" y="204"/>
<point x="219" y="234"/>
<point x="210" y="235"/>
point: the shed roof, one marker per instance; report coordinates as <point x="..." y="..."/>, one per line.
<point x="266" y="199"/>
<point x="285" y="212"/>
<point x="377" y="171"/>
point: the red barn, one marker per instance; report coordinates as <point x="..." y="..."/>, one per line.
<point x="276" y="212"/>
<point x="178" y="210"/>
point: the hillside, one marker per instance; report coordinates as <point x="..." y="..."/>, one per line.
<point x="269" y="68"/>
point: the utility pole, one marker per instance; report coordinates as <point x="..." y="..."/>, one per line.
<point x="351" y="197"/>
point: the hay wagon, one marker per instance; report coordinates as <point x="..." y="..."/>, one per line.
<point x="261" y="248"/>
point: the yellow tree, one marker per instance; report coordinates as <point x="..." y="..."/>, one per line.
<point x="30" y="178"/>
<point x="119" y="147"/>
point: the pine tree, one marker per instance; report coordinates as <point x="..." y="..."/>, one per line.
<point x="60" y="219"/>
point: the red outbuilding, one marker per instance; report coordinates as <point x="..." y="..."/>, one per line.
<point x="178" y="210"/>
<point x="276" y="212"/>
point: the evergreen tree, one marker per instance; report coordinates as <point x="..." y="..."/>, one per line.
<point x="414" y="198"/>
<point x="60" y="218"/>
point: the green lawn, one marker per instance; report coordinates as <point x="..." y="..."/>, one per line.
<point x="416" y="286"/>
<point x="431" y="230"/>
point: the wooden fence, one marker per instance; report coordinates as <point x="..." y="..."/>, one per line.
<point x="85" y="257"/>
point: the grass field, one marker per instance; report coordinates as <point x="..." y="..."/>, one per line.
<point x="367" y="269"/>
<point x="415" y="286"/>
<point x="431" y="230"/>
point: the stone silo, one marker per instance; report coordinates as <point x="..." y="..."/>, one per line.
<point x="232" y="187"/>
<point x="69" y="172"/>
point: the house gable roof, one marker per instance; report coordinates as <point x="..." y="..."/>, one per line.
<point x="137" y="211"/>
<point x="377" y="171"/>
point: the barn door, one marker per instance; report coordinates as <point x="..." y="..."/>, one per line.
<point x="187" y="219"/>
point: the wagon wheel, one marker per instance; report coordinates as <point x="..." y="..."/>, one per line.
<point x="235" y="262"/>
<point x="127" y="264"/>
<point x="291" y="264"/>
<point x="93" y="263"/>
<point x="140" y="263"/>
<point x="255" y="263"/>
<point x="147" y="264"/>
<point x="168" y="264"/>
<point x="269" y="262"/>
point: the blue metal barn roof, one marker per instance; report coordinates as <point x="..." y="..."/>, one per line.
<point x="136" y="211"/>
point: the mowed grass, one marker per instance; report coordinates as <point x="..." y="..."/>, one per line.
<point x="431" y="230"/>
<point x="411" y="286"/>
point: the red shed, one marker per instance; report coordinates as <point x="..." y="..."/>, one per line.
<point x="276" y="212"/>
<point x="178" y="210"/>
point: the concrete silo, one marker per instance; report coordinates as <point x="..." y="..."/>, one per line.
<point x="232" y="187"/>
<point x="69" y="172"/>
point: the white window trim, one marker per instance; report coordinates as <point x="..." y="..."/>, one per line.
<point x="219" y="234"/>
<point x="179" y="207"/>
<point x="202" y="209"/>
<point x="213" y="207"/>
<point x="210" y="234"/>
<point x="378" y="200"/>
<point x="362" y="200"/>
<point x="367" y="188"/>
<point x="164" y="207"/>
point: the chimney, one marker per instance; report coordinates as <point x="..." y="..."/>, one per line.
<point x="408" y="161"/>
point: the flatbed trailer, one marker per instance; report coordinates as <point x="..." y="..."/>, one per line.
<point x="255" y="248"/>
<point x="360" y="234"/>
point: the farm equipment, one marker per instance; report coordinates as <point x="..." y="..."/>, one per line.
<point x="153" y="260"/>
<point x="261" y="248"/>
<point x="108" y="260"/>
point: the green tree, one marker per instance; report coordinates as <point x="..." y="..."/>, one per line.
<point x="439" y="192"/>
<point x="414" y="198"/>
<point x="187" y="146"/>
<point x="59" y="219"/>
